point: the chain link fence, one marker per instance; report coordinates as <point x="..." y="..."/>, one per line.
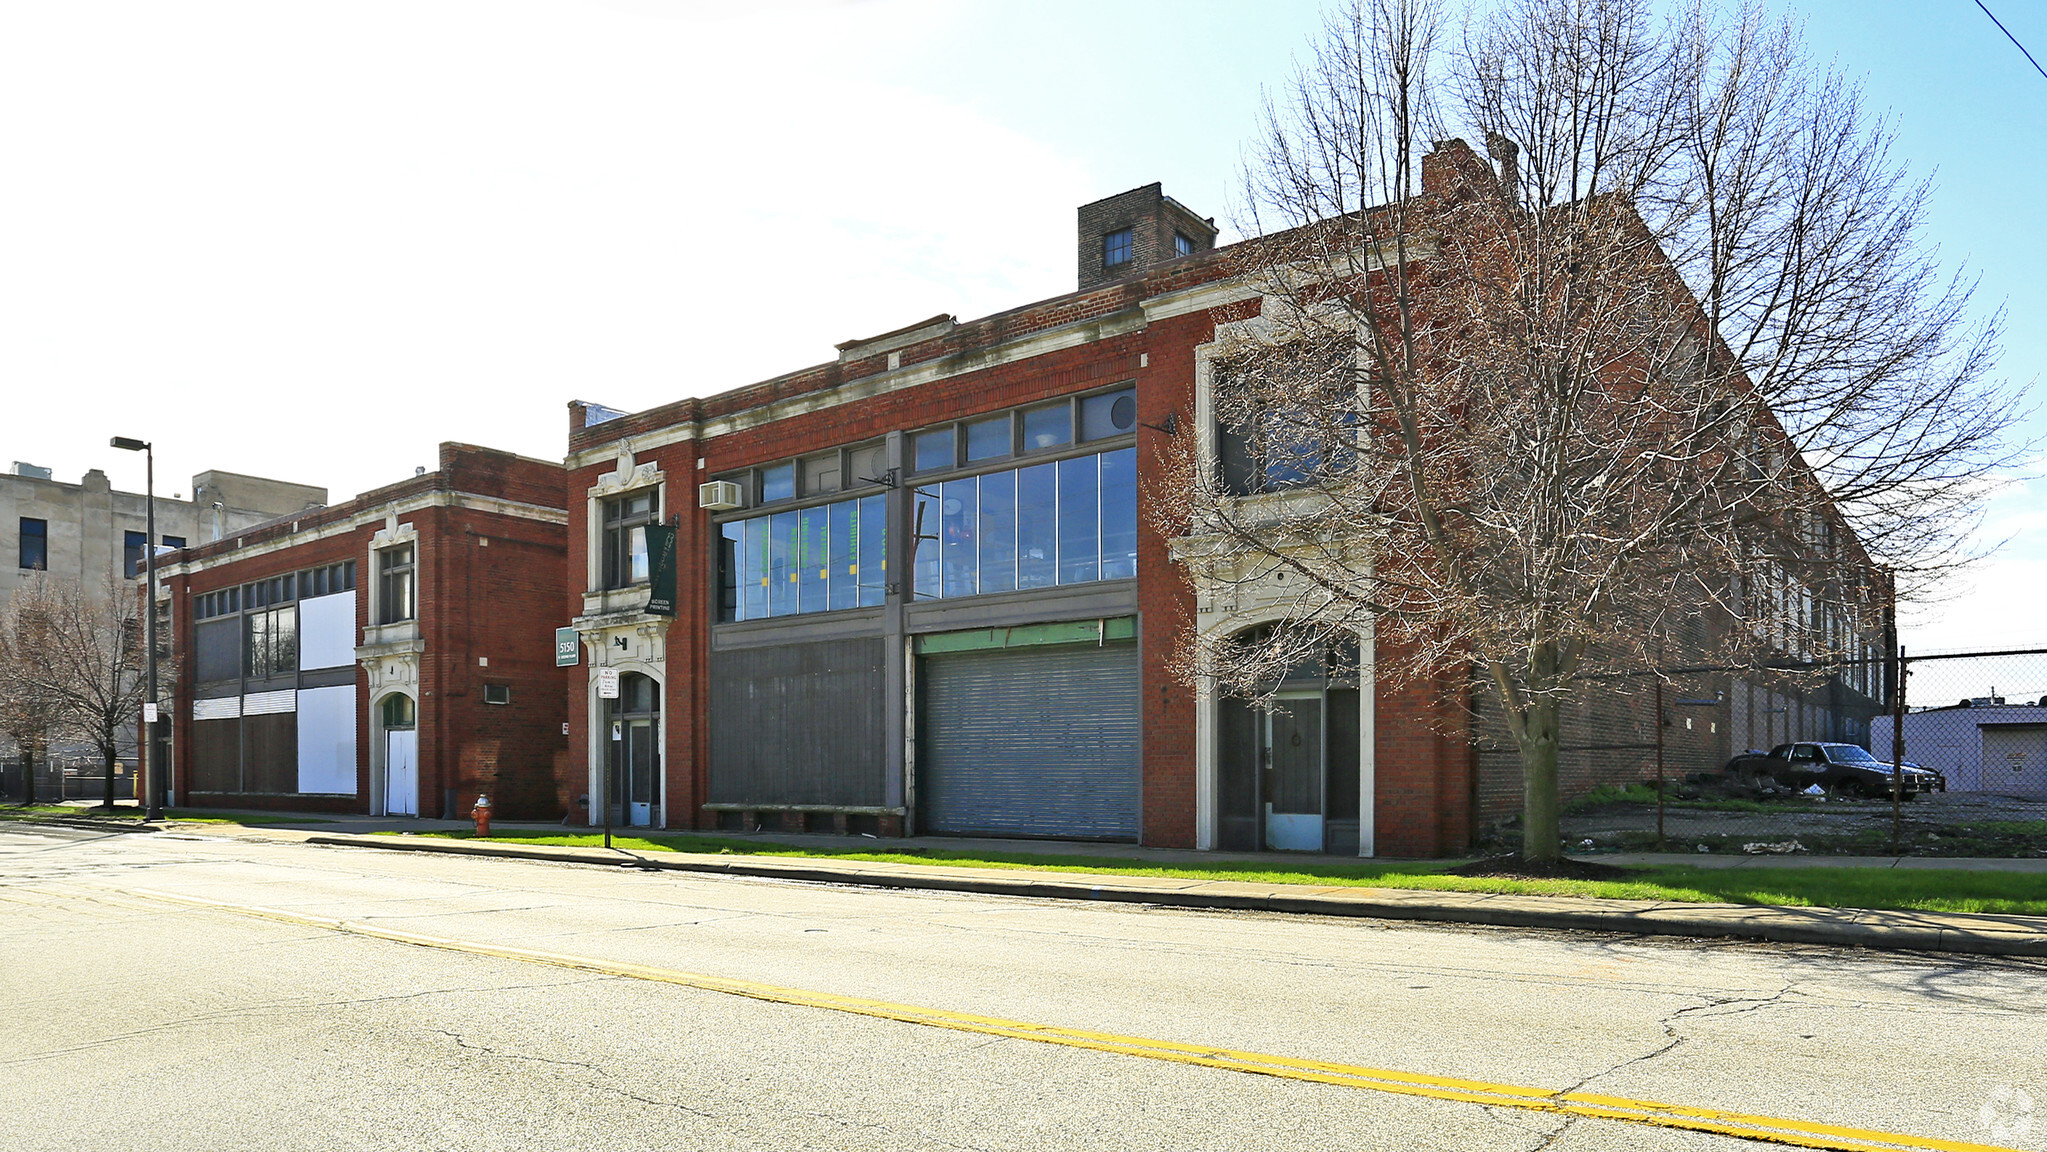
<point x="61" y="778"/>
<point x="1804" y="761"/>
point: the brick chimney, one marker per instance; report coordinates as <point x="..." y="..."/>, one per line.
<point x="1129" y="232"/>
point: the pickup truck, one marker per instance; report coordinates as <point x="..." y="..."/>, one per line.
<point x="1842" y="769"/>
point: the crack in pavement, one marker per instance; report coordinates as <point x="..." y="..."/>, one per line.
<point x="277" y="1006"/>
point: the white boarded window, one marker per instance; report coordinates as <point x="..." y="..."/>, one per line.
<point x="327" y="739"/>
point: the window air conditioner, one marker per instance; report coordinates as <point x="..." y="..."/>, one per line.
<point x="720" y="496"/>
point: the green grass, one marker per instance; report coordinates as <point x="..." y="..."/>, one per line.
<point x="1885" y="888"/>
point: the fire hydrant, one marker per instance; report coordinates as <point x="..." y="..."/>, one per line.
<point x="481" y="813"/>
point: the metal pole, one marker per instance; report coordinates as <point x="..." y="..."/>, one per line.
<point x="1898" y="754"/>
<point x="1659" y="763"/>
<point x="152" y="784"/>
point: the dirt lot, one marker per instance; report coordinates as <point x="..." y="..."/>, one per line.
<point x="1938" y="824"/>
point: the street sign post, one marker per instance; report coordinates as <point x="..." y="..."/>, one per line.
<point x="568" y="650"/>
<point x="607" y="689"/>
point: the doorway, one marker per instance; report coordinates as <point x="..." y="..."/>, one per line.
<point x="401" y="756"/>
<point x="633" y="789"/>
<point x="1288" y="772"/>
<point x="1293" y="767"/>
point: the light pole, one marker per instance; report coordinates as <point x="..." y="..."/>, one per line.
<point x="152" y="786"/>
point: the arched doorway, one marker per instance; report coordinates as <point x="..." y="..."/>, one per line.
<point x="633" y="786"/>
<point x="399" y="719"/>
<point x="1288" y="762"/>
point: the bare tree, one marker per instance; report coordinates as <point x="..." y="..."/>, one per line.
<point x="29" y="711"/>
<point x="1677" y="357"/>
<point x="85" y="661"/>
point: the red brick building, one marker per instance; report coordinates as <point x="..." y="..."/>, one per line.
<point x="390" y="654"/>
<point x="920" y="589"/>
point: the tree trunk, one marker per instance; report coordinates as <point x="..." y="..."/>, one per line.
<point x="28" y="777"/>
<point x="1541" y="833"/>
<point x="108" y="755"/>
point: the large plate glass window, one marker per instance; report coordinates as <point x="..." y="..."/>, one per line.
<point x="1067" y="522"/>
<point x="805" y="560"/>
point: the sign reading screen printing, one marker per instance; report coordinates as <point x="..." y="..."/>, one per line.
<point x="661" y="584"/>
<point x="566" y="650"/>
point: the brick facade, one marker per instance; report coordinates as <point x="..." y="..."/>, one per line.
<point x="487" y="529"/>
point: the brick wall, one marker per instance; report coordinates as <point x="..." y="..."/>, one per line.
<point x="489" y="587"/>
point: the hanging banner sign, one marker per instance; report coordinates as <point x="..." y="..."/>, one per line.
<point x="661" y="555"/>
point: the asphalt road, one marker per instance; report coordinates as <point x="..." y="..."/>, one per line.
<point x="135" y="1018"/>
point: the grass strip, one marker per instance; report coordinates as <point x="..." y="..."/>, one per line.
<point x="1891" y="889"/>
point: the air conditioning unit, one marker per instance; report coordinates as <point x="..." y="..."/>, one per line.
<point x="720" y="496"/>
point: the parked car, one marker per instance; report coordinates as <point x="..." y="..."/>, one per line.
<point x="1843" y="769"/>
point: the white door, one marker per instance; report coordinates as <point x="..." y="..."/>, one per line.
<point x="401" y="773"/>
<point x="2014" y="760"/>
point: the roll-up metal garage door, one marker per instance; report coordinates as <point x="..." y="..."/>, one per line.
<point x="1037" y="741"/>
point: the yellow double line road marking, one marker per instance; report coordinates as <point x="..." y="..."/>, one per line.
<point x="1774" y="1129"/>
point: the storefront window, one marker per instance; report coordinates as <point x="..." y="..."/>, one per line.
<point x="808" y="560"/>
<point x="1069" y="522"/>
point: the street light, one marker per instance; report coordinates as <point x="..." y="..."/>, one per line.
<point x="152" y="798"/>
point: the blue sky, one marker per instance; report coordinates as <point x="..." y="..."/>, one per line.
<point x="312" y="240"/>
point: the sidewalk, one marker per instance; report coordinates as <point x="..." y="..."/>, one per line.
<point x="2007" y="935"/>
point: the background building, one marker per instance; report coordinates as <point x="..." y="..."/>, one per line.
<point x="390" y="654"/>
<point x="1980" y="745"/>
<point x="86" y="530"/>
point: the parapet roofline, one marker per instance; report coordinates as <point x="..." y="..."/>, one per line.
<point x="908" y="334"/>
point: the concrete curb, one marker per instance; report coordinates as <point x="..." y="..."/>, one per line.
<point x="86" y="823"/>
<point x="1836" y="927"/>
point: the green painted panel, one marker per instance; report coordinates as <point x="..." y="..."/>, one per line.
<point x="1029" y="635"/>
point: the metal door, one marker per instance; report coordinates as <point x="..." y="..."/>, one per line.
<point x="639" y="771"/>
<point x="1293" y="773"/>
<point x="2015" y="760"/>
<point x="633" y="787"/>
<point x="1039" y="741"/>
<point x="401" y="773"/>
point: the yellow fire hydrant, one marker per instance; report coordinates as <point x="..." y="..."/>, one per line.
<point x="481" y="813"/>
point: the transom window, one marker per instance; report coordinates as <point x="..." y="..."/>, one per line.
<point x="818" y="474"/>
<point x="1041" y="428"/>
<point x="395" y="585"/>
<point x="323" y="581"/>
<point x="625" y="538"/>
<point x="398" y="712"/>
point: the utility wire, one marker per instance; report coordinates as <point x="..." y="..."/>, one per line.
<point x="2010" y="37"/>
